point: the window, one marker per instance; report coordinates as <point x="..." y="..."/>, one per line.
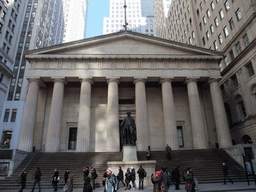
<point x="7" y="137"/>
<point x="212" y="29"/>
<point x="215" y="45"/>
<point x="221" y="14"/>
<point x="204" y="20"/>
<point x="207" y="35"/>
<point x="234" y="81"/>
<point x="72" y="138"/>
<point x="231" y="55"/>
<point x="226" y="60"/>
<point x="246" y="40"/>
<point x="201" y="5"/>
<point x="231" y="23"/>
<point x="212" y="5"/>
<point x="1" y="26"/>
<point x="14" y="113"/>
<point x="227" y="6"/>
<point x="238" y="47"/>
<point x="193" y="35"/>
<point x="200" y="26"/>
<point x="6" y="115"/>
<point x="3" y="15"/>
<point x="220" y="38"/>
<point x="180" y="136"/>
<point x="250" y="69"/>
<point x="238" y="14"/>
<point x="225" y="29"/>
<point x="241" y="107"/>
<point x="208" y="13"/>
<point x="216" y="22"/>
<point x="203" y="39"/>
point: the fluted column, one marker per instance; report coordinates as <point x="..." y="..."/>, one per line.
<point x="198" y="130"/>
<point x="27" y="130"/>
<point x="141" y="115"/>
<point x="54" y="128"/>
<point x="221" y="122"/>
<point x="171" y="135"/>
<point x="84" y="118"/>
<point x="113" y="141"/>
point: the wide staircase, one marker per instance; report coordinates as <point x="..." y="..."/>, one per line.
<point x="206" y="165"/>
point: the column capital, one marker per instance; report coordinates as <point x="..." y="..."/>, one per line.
<point x="113" y="80"/>
<point x="34" y="80"/>
<point x="86" y="79"/>
<point x="62" y="80"/>
<point x="211" y="80"/>
<point x="163" y="80"/>
<point x="140" y="80"/>
<point x="191" y="79"/>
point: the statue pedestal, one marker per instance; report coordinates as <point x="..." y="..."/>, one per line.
<point x="130" y="153"/>
<point x="148" y="166"/>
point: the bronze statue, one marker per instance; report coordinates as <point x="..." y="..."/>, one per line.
<point x="129" y="129"/>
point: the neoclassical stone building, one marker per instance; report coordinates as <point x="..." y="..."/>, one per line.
<point x="80" y="91"/>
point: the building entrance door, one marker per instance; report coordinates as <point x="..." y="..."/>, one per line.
<point x="72" y="138"/>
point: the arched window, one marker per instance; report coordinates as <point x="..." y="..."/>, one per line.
<point x="240" y="105"/>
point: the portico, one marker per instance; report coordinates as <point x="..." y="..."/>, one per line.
<point x="84" y="88"/>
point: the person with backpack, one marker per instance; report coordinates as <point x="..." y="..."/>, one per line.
<point x="110" y="184"/>
<point x="176" y="177"/>
<point x="128" y="178"/>
<point x="142" y="173"/>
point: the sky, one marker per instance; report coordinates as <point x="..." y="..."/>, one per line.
<point x="97" y="9"/>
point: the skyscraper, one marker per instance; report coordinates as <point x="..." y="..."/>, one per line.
<point x="227" y="26"/>
<point x="139" y="13"/>
<point x="45" y="23"/>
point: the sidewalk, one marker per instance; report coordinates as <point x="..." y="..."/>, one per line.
<point x="214" y="187"/>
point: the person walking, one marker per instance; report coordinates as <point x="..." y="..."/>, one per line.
<point x="23" y="178"/>
<point x="110" y="181"/>
<point x="55" y="179"/>
<point x="225" y="173"/>
<point x="133" y="178"/>
<point x="156" y="181"/>
<point x="86" y="172"/>
<point x="176" y="177"/>
<point x="120" y="177"/>
<point x="148" y="153"/>
<point x="66" y="176"/>
<point x="128" y="178"/>
<point x="38" y="175"/>
<point x="168" y="151"/>
<point x="94" y="175"/>
<point x="142" y="173"/>
<point x="104" y="179"/>
<point x="164" y="177"/>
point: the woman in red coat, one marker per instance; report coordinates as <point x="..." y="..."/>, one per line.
<point x="157" y="181"/>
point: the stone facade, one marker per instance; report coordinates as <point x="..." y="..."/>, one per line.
<point x="80" y="91"/>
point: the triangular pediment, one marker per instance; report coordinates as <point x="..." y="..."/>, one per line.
<point x="123" y="43"/>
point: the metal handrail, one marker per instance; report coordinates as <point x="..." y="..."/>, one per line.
<point x="32" y="159"/>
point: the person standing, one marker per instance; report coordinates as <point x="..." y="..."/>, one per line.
<point x="189" y="180"/>
<point x="66" y="176"/>
<point x="133" y="178"/>
<point x="176" y="177"/>
<point x="148" y="153"/>
<point x="110" y="181"/>
<point x="225" y="173"/>
<point x="156" y="181"/>
<point x="142" y="173"/>
<point x="94" y="175"/>
<point x="86" y="172"/>
<point x="23" y="178"/>
<point x="168" y="151"/>
<point x="38" y="175"/>
<point x="87" y="184"/>
<point x="128" y="178"/>
<point x="55" y="179"/>
<point x="120" y="177"/>
<point x="164" y="177"/>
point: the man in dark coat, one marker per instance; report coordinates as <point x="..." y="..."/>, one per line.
<point x="176" y="177"/>
<point x="23" y="178"/>
<point x="164" y="178"/>
<point x="225" y="173"/>
<point x="38" y="175"/>
<point x="55" y="179"/>
<point x="94" y="175"/>
<point x="86" y="171"/>
<point x="142" y="173"/>
<point x="66" y="176"/>
<point x="120" y="177"/>
<point x="87" y="184"/>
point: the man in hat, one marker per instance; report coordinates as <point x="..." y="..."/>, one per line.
<point x="110" y="181"/>
<point x="129" y="129"/>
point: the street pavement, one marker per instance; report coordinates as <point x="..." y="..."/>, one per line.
<point x="213" y="187"/>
